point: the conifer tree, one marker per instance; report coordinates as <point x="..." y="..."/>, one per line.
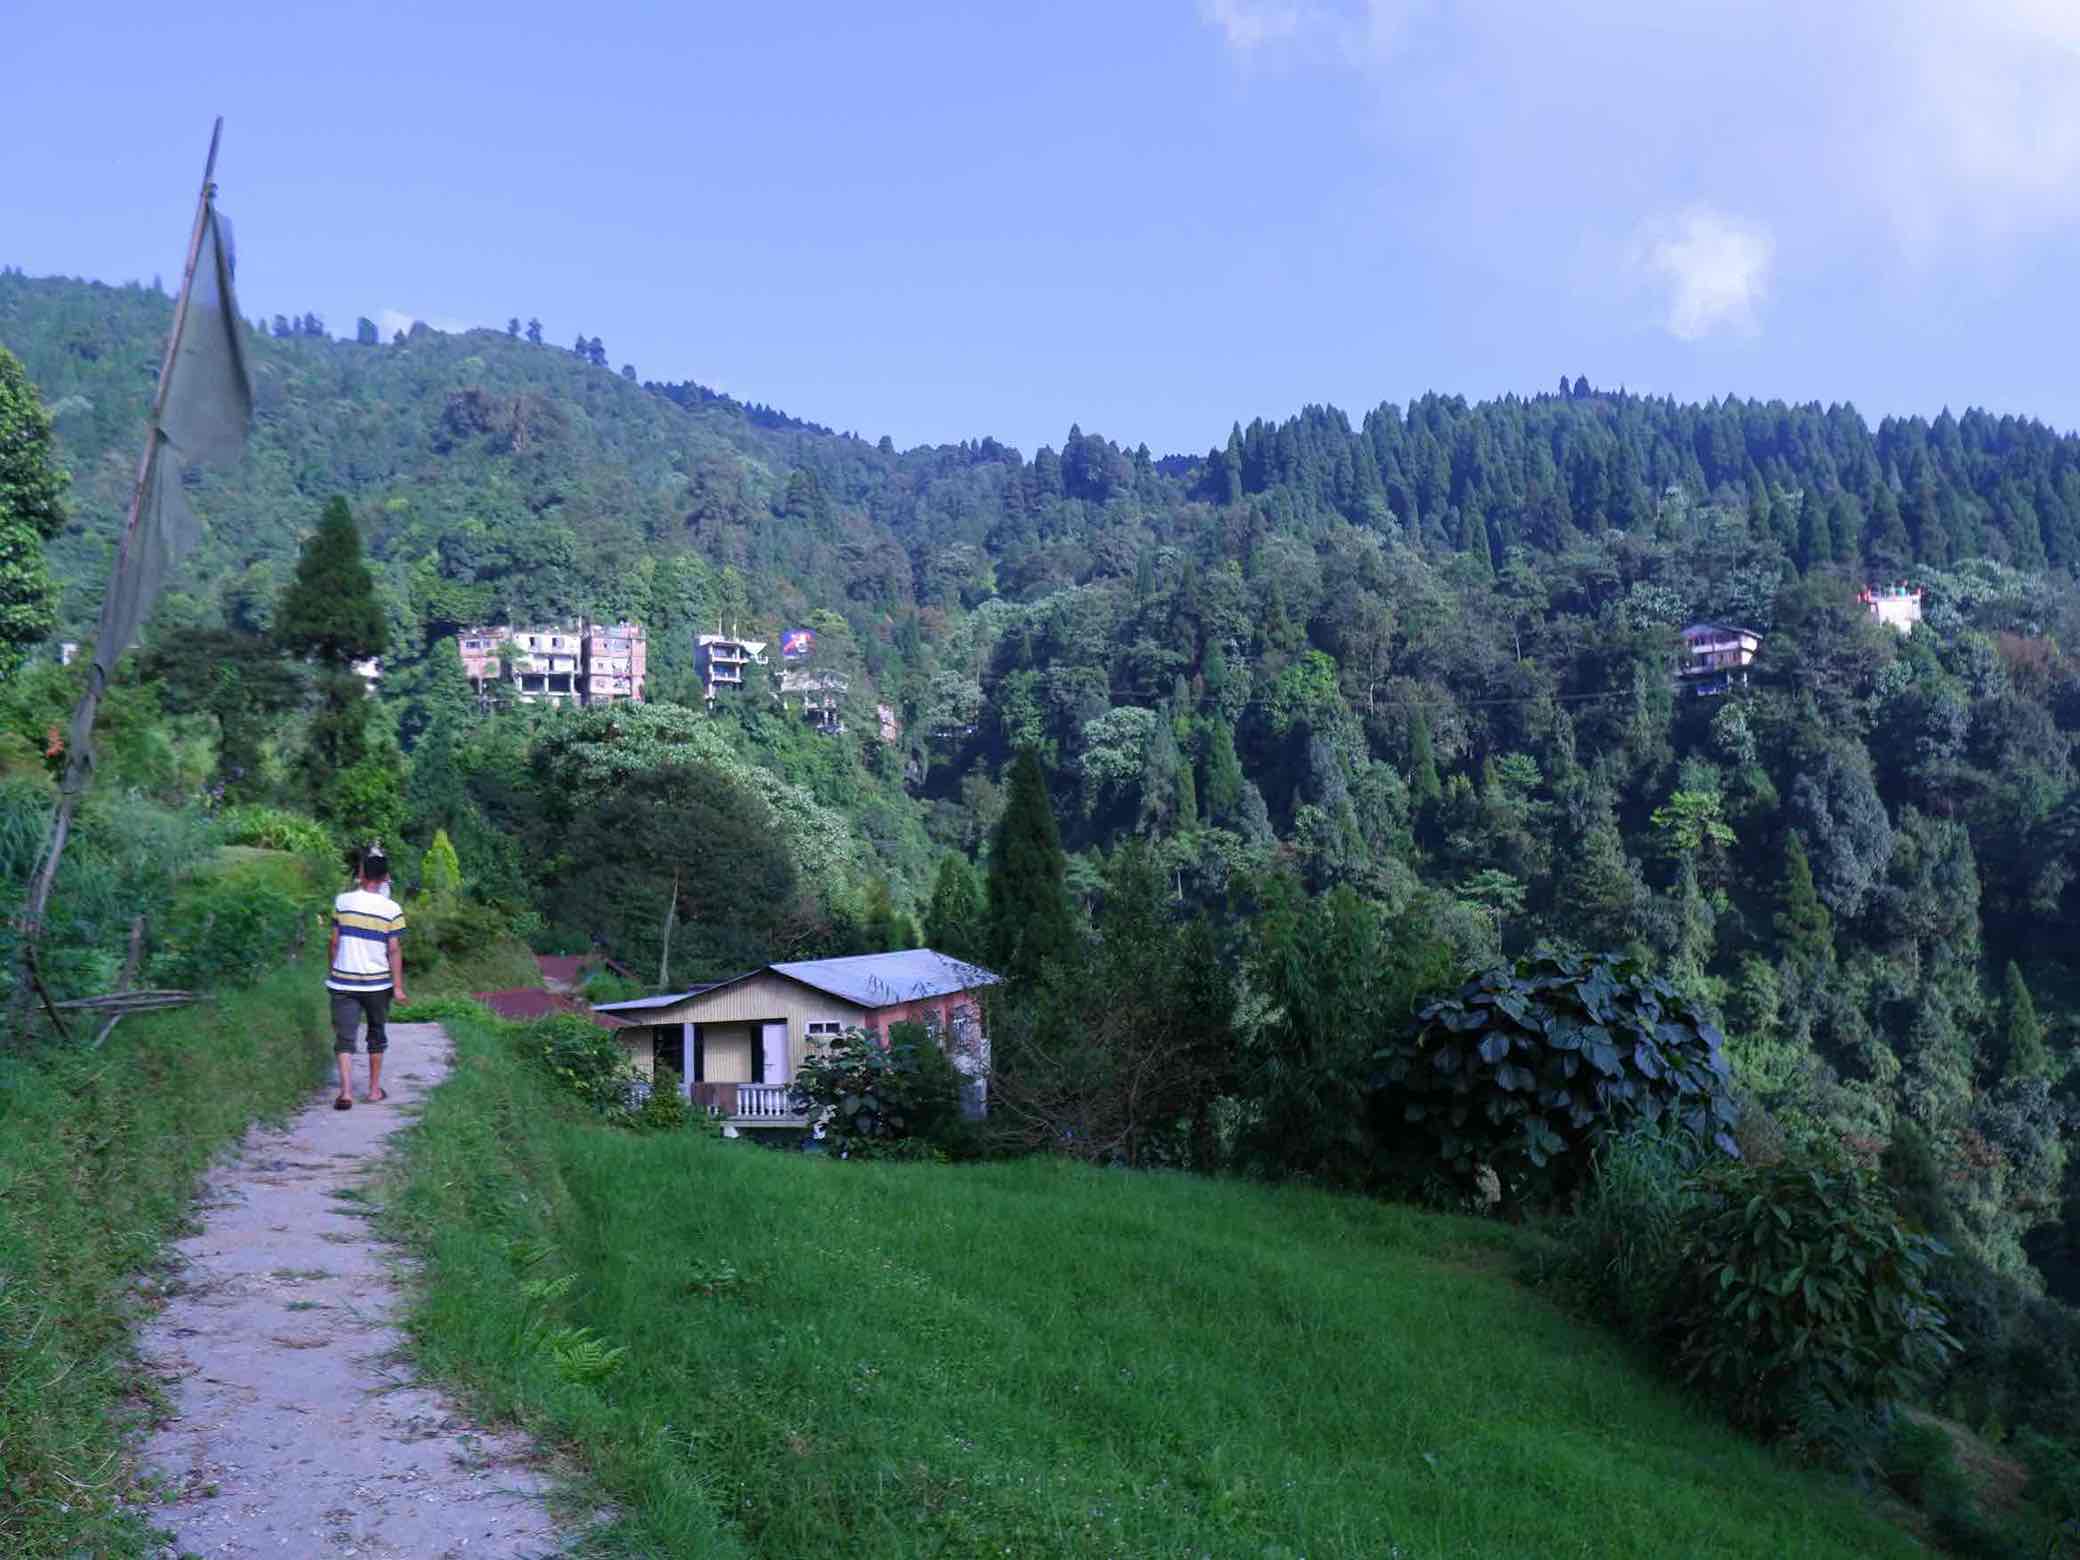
<point x="1223" y="773"/>
<point x="440" y="870"/>
<point x="1031" y="923"/>
<point x="330" y="614"/>
<point x="1802" y="921"/>
<point x="2026" y="1055"/>
<point x="954" y="922"/>
<point x="1424" y="789"/>
<point x="330" y="611"/>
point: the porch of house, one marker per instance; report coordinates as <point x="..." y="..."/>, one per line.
<point x="739" y="1072"/>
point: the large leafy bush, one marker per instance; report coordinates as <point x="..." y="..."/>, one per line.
<point x="582" y="1057"/>
<point x="1802" y="1283"/>
<point x="875" y="1099"/>
<point x="1528" y="1067"/>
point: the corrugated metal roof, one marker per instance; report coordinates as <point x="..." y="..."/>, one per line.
<point x="669" y="999"/>
<point x="882" y="979"/>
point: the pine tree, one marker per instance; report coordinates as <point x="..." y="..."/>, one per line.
<point x="534" y="332"/>
<point x="2026" y="1055"/>
<point x="440" y="870"/>
<point x="365" y="332"/>
<point x="954" y="922"/>
<point x="330" y="611"/>
<point x="513" y="326"/>
<point x="1803" y="922"/>
<point x="1223" y="773"/>
<point x="32" y="512"/>
<point x="330" y="614"/>
<point x="1424" y="789"/>
<point x="1031" y="922"/>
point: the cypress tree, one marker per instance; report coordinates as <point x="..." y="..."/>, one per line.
<point x="1803" y="922"/>
<point x="1031" y="923"/>
<point x="954" y="922"/>
<point x="330" y="614"/>
<point x="1424" y="789"/>
<point x="1223" y="773"/>
<point x="2026" y="1055"/>
<point x="330" y="611"/>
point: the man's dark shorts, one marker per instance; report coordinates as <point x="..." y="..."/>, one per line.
<point x="348" y="1008"/>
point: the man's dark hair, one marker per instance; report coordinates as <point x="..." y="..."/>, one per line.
<point x="375" y="866"/>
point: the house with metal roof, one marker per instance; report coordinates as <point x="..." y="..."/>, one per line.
<point x="734" y="1046"/>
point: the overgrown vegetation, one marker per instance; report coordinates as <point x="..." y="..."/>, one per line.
<point x="100" y="1152"/>
<point x="891" y="1359"/>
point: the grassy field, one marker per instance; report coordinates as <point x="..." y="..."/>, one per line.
<point x="1038" y="1359"/>
<point x="99" y="1155"/>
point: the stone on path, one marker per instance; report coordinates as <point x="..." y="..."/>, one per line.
<point x="297" y="1427"/>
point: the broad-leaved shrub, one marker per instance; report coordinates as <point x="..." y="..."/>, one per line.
<point x="579" y="1055"/>
<point x="1528" y="1067"/>
<point x="1802" y="1281"/>
<point x="879" y="1099"/>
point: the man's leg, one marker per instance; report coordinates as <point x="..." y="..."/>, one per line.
<point x="346" y="1018"/>
<point x="377" y="1005"/>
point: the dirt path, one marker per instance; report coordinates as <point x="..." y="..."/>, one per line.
<point x="297" y="1429"/>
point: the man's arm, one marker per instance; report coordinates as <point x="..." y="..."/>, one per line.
<point x="397" y="966"/>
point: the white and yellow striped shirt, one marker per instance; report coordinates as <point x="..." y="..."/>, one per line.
<point x="368" y="925"/>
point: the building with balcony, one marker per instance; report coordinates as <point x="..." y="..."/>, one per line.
<point x="819" y="695"/>
<point x="733" y="1048"/>
<point x="1715" y="657"/>
<point x="1896" y="606"/>
<point x="589" y="663"/>
<point x="721" y="659"/>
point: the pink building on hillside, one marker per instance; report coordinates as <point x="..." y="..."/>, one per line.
<point x="591" y="663"/>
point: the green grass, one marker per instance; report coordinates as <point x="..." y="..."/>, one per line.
<point x="506" y="963"/>
<point x="99" y="1156"/>
<point x="1040" y="1359"/>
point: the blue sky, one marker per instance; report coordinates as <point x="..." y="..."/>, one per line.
<point x="1152" y="217"/>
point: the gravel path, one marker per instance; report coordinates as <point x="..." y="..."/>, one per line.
<point x="297" y="1429"/>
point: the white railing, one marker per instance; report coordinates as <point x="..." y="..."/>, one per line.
<point x="763" y="1102"/>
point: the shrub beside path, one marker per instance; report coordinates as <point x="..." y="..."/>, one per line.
<point x="296" y="1427"/>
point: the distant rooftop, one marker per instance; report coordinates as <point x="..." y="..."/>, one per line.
<point x="872" y="980"/>
<point x="880" y="979"/>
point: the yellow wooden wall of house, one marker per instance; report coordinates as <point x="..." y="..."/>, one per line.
<point x="730" y="1018"/>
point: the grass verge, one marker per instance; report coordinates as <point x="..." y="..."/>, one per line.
<point x="1039" y="1359"/>
<point x="99" y="1156"/>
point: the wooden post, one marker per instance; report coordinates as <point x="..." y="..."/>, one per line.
<point x="80" y="758"/>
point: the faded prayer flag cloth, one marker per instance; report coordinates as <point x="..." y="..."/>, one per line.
<point x="204" y="414"/>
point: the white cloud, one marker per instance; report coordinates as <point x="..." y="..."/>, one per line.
<point x="1714" y="267"/>
<point x="1248" y="25"/>
<point x="390" y="321"/>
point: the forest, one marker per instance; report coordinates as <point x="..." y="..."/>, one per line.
<point x="1316" y="721"/>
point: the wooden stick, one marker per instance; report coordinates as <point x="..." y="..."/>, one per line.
<point x="80" y="759"/>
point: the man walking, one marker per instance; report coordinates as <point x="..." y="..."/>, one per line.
<point x="367" y="972"/>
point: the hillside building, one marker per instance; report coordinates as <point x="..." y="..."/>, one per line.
<point x="721" y="658"/>
<point x="589" y="663"/>
<point x="1715" y="657"/>
<point x="733" y="1048"/>
<point x="1898" y="607"/>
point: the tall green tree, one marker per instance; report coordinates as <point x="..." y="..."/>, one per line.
<point x="956" y="921"/>
<point x="32" y="511"/>
<point x="2025" y="1055"/>
<point x="330" y="612"/>
<point x="1031" y="922"/>
<point x="1803" y="925"/>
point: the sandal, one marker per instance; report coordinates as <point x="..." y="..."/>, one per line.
<point x="344" y="1102"/>
<point x="378" y="1097"/>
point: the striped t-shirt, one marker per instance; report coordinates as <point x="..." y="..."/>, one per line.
<point x="367" y="925"/>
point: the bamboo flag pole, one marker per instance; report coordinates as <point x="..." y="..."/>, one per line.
<point x="79" y="757"/>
